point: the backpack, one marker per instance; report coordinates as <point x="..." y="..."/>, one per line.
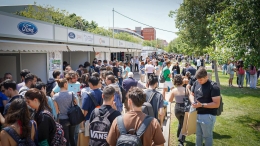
<point x="161" y="79"/>
<point x="99" y="128"/>
<point x="252" y="72"/>
<point x="58" y="138"/>
<point x="117" y="99"/>
<point x="220" y="108"/>
<point x="94" y="100"/>
<point x="123" y="92"/>
<point x="126" y="139"/>
<point x="21" y="142"/>
<point x="241" y="71"/>
<point x="147" y="107"/>
<point x="195" y="62"/>
<point x="49" y="87"/>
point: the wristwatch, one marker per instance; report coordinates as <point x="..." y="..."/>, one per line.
<point x="202" y="105"/>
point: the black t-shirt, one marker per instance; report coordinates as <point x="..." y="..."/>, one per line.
<point x="46" y="127"/>
<point x="115" y="71"/>
<point x="102" y="111"/>
<point x="204" y="93"/>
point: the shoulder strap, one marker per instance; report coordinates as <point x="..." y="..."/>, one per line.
<point x="146" y="122"/>
<point x="13" y="134"/>
<point x="109" y="112"/>
<point x="93" y="99"/>
<point x="121" y="126"/>
<point x="96" y="112"/>
<point x="151" y="97"/>
<point x="22" y="91"/>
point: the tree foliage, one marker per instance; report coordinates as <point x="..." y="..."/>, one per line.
<point x="154" y="43"/>
<point x="237" y="27"/>
<point x="62" y="17"/>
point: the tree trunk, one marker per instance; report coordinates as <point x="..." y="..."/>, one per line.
<point x="216" y="69"/>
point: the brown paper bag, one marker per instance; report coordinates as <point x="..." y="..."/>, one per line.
<point x="82" y="139"/>
<point x="189" y="123"/>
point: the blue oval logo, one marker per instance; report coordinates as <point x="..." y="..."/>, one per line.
<point x="71" y="35"/>
<point x="27" y="28"/>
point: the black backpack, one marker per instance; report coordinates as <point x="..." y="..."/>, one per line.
<point x="220" y="108"/>
<point x="123" y="92"/>
<point x="99" y="128"/>
<point x="21" y="142"/>
<point x="147" y="107"/>
<point x="49" y="87"/>
<point x="126" y="139"/>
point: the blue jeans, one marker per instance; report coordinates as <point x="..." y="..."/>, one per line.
<point x="205" y="125"/>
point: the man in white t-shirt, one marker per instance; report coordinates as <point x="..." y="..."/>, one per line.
<point x="198" y="63"/>
<point x="149" y="68"/>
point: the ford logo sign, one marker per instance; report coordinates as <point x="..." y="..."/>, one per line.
<point x="71" y="35"/>
<point x="27" y="28"/>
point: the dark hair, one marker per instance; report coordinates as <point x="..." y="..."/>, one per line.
<point x="168" y="62"/>
<point x="201" y="73"/>
<point x="7" y="74"/>
<point x="156" y="62"/>
<point x="71" y="74"/>
<point x="114" y="63"/>
<point x="108" y="73"/>
<point x="56" y="73"/>
<point x="111" y="78"/>
<point x="85" y="78"/>
<point x="81" y="66"/>
<point x="9" y="84"/>
<point x="29" y="77"/>
<point x="188" y="74"/>
<point x="18" y="110"/>
<point x="137" y="95"/>
<point x="108" y="93"/>
<point x="24" y="72"/>
<point x="96" y="74"/>
<point x="104" y="61"/>
<point x="102" y="68"/>
<point x="153" y="79"/>
<point x="39" y="79"/>
<point x="33" y="93"/>
<point x="61" y="82"/>
<point x="93" y="80"/>
<point x="177" y="80"/>
<point x="39" y="85"/>
<point x="86" y="64"/>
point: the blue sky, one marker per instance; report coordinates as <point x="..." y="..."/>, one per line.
<point x="151" y="12"/>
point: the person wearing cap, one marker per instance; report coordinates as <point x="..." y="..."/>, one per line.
<point x="129" y="83"/>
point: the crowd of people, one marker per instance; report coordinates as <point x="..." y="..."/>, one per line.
<point x="112" y="102"/>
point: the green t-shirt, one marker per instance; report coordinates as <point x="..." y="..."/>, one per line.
<point x="166" y="73"/>
<point x="160" y="63"/>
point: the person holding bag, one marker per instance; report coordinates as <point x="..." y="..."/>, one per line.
<point x="179" y="94"/>
<point x="63" y="102"/>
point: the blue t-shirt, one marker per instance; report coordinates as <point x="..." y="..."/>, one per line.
<point x="2" y="98"/>
<point x="87" y="103"/>
<point x="142" y="69"/>
<point x="127" y="69"/>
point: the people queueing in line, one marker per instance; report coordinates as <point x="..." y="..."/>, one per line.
<point x="105" y="84"/>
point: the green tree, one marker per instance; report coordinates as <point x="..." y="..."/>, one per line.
<point x="62" y="17"/>
<point x="237" y="27"/>
<point x="191" y="20"/>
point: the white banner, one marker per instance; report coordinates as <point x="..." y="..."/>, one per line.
<point x="80" y="37"/>
<point x="100" y="40"/>
<point x="24" y="28"/>
<point x="121" y="43"/>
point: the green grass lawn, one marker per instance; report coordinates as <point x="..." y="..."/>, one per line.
<point x="239" y="124"/>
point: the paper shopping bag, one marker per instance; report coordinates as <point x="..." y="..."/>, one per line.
<point x="189" y="123"/>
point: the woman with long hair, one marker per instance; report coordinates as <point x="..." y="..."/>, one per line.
<point x="63" y="101"/>
<point x="186" y="79"/>
<point x="37" y="100"/>
<point x="17" y="121"/>
<point x="179" y="94"/>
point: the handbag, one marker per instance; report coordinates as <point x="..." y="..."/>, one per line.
<point x="186" y="102"/>
<point x="75" y="114"/>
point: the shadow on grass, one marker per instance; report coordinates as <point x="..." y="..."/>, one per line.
<point x="188" y="143"/>
<point x="219" y="136"/>
<point x="239" y="92"/>
<point x="250" y="122"/>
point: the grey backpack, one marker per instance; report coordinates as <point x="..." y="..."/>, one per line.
<point x="147" y="108"/>
<point x="126" y="139"/>
<point x="99" y="128"/>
